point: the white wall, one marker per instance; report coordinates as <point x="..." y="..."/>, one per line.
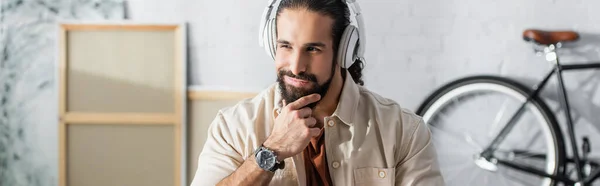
<point x="223" y="40"/>
<point x="413" y="46"/>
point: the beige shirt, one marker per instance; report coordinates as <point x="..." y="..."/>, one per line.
<point x="369" y="140"/>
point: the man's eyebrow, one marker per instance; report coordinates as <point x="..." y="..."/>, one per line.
<point x="283" y="42"/>
<point x="315" y="44"/>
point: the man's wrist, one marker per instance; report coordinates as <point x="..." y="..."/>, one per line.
<point x="273" y="148"/>
<point x="267" y="159"/>
<point x="252" y="160"/>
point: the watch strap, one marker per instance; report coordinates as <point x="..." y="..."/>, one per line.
<point x="278" y="165"/>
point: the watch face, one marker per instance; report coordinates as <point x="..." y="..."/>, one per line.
<point x="266" y="159"/>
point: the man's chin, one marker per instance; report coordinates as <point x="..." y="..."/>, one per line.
<point x="296" y="91"/>
<point x="295" y="95"/>
<point x="292" y="93"/>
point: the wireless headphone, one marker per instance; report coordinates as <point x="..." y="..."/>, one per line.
<point x="352" y="42"/>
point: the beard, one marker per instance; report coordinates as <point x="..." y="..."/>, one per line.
<point x="291" y="93"/>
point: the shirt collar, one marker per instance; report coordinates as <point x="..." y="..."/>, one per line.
<point x="347" y="105"/>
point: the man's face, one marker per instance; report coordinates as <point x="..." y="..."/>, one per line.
<point x="304" y="57"/>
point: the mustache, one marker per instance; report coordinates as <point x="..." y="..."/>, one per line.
<point x="302" y="76"/>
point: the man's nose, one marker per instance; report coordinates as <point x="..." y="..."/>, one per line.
<point x="297" y="63"/>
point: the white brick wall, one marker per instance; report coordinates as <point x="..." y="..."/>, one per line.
<point x="413" y="46"/>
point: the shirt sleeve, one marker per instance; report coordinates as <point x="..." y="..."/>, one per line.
<point x="219" y="157"/>
<point x="420" y="166"/>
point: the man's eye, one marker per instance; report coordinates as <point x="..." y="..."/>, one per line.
<point x="284" y="46"/>
<point x="310" y="49"/>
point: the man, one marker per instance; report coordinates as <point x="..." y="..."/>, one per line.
<point x="316" y="126"/>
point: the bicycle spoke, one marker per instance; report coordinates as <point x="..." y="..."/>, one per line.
<point x="452" y="136"/>
<point x="472" y="142"/>
<point x="504" y="180"/>
<point x="455" y="154"/>
<point x="497" y="119"/>
<point x="474" y="176"/>
<point x="486" y="180"/>
<point x="516" y="179"/>
<point x="460" y="167"/>
<point x="453" y="177"/>
<point x="464" y="135"/>
<point x="537" y="134"/>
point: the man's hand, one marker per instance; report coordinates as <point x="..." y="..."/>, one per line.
<point x="293" y="128"/>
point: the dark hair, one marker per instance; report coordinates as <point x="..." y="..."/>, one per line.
<point x="336" y="9"/>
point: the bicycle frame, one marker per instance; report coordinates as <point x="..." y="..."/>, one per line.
<point x="561" y="177"/>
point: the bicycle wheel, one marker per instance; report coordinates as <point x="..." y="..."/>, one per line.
<point x="467" y="114"/>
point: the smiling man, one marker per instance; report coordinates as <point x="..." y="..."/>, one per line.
<point x="317" y="125"/>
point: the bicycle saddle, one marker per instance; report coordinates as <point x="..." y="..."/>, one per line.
<point x="549" y="37"/>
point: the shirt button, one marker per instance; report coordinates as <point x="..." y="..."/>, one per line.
<point x="382" y="174"/>
<point x="331" y="123"/>
<point x="336" y="164"/>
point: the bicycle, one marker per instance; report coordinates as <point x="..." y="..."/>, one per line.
<point x="515" y="148"/>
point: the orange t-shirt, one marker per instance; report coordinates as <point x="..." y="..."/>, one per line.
<point x="315" y="161"/>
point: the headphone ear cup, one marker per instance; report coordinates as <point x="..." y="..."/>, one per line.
<point x="347" y="46"/>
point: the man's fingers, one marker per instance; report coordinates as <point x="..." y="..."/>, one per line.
<point x="314" y="132"/>
<point x="303" y="101"/>
<point x="310" y="122"/>
<point x="304" y="112"/>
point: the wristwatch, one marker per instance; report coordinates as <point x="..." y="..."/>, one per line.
<point x="267" y="159"/>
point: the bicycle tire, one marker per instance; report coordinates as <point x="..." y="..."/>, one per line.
<point x="517" y="87"/>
